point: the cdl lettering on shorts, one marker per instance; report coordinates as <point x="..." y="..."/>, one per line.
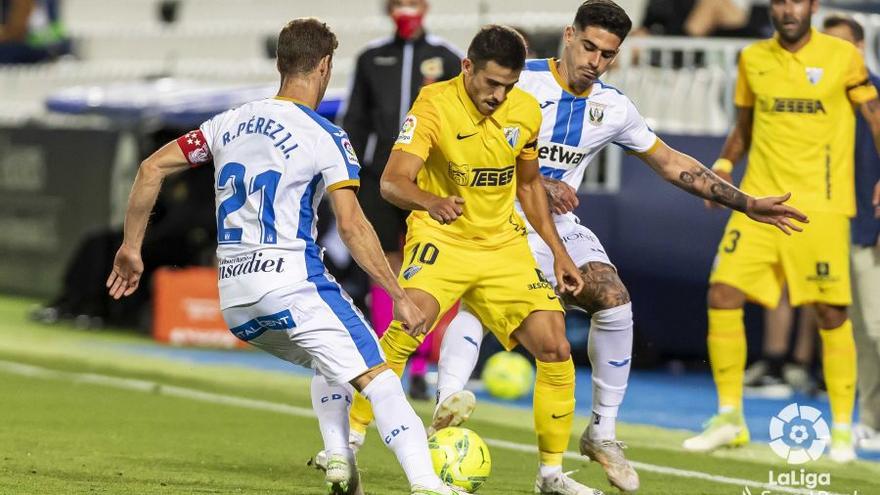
<point x="252" y="263"/>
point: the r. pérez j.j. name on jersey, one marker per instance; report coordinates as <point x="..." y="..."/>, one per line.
<point x="264" y="127"/>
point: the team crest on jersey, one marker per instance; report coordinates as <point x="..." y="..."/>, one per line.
<point x="596" y="113"/>
<point x="814" y="74"/>
<point x="350" y="155"/>
<point x="411" y="272"/>
<point x="407" y="130"/>
<point x="511" y="134"/>
<point x="460" y="174"/>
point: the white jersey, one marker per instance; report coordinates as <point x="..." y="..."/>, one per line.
<point x="575" y="128"/>
<point x="273" y="160"/>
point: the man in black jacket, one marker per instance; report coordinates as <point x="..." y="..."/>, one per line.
<point x="388" y="76"/>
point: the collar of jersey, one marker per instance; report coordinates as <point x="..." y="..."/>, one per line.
<point x="498" y="116"/>
<point x="804" y="49"/>
<point x="563" y="83"/>
<point x="285" y="98"/>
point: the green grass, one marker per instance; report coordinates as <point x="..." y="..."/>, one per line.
<point x="67" y="436"/>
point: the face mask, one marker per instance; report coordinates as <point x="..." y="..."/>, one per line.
<point x="408" y="22"/>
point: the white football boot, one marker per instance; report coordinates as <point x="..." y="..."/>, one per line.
<point x="340" y="474"/>
<point x="726" y="429"/>
<point x="561" y="484"/>
<point x="444" y="490"/>
<point x="453" y="411"/>
<point x="609" y="454"/>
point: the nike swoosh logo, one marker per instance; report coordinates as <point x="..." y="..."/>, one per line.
<point x="552" y="297"/>
<point x="459" y="136"/>
<point x="554" y="416"/>
<point x="472" y="341"/>
<point x="619" y="364"/>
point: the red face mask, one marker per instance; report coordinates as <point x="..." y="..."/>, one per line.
<point x="408" y="22"/>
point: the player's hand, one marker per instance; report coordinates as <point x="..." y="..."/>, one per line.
<point x="727" y="177"/>
<point x="446" y="210"/>
<point x="773" y="210"/>
<point x="406" y="311"/>
<point x="561" y="196"/>
<point x="569" y="280"/>
<point x="127" y="270"/>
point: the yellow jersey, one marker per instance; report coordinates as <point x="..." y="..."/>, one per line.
<point x="803" y="135"/>
<point x="473" y="156"/>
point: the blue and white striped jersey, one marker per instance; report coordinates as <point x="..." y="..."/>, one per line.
<point x="576" y="127"/>
<point x="273" y="161"/>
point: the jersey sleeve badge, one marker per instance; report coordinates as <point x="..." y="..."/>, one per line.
<point x="407" y="130"/>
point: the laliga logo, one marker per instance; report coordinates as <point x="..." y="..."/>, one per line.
<point x="798" y="434"/>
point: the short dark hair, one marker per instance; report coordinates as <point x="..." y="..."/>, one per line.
<point x="834" y="20"/>
<point x="603" y="14"/>
<point x="499" y="44"/>
<point x="302" y="43"/>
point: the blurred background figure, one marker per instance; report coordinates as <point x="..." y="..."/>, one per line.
<point x="783" y="368"/>
<point x="388" y="77"/>
<point x="31" y="31"/>
<point x="865" y="259"/>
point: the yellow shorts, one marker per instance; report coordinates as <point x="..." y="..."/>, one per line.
<point x="760" y="260"/>
<point x="501" y="286"/>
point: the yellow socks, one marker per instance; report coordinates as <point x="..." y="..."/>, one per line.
<point x="839" y="364"/>
<point x="397" y="346"/>
<point x="727" y="355"/>
<point x="554" y="409"/>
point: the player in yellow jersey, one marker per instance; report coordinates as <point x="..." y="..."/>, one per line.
<point x="795" y="95"/>
<point x="465" y="151"/>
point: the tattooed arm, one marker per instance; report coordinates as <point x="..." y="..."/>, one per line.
<point x="690" y="175"/>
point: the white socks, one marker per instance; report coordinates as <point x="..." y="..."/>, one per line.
<point x="458" y="354"/>
<point x="610" y="351"/>
<point x="331" y="404"/>
<point x="401" y="429"/>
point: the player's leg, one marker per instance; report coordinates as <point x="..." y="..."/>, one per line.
<point x="459" y="352"/>
<point x="397" y="346"/>
<point x="350" y="353"/>
<point x="817" y="270"/>
<point x="331" y="403"/>
<point x="433" y="279"/>
<point x="542" y="333"/>
<point x="610" y="352"/>
<point x="747" y="266"/>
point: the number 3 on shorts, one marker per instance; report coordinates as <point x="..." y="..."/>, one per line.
<point x="733" y="239"/>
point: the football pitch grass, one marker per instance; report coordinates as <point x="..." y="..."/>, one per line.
<point x="82" y="413"/>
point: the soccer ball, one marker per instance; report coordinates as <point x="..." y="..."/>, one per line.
<point x="508" y="375"/>
<point x="460" y="457"/>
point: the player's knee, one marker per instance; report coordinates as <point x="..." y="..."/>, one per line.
<point x="603" y="288"/>
<point x="554" y="351"/>
<point x="831" y="316"/>
<point x="723" y="296"/>
<point x="363" y="380"/>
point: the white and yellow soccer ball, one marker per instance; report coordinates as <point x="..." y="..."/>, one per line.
<point x="508" y="375"/>
<point x="460" y="457"/>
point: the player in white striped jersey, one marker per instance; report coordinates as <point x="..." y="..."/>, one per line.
<point x="581" y="115"/>
<point x="273" y="161"/>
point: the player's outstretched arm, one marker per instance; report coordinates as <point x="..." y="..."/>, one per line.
<point x="735" y="147"/>
<point x="689" y="174"/>
<point x="128" y="266"/>
<point x="398" y="187"/>
<point x="533" y="199"/>
<point x="360" y="238"/>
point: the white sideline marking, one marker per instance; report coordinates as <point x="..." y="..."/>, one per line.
<point x="262" y="405"/>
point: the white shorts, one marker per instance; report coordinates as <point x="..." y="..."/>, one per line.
<point x="581" y="243"/>
<point x="313" y="324"/>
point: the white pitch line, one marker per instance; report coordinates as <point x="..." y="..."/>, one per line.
<point x="262" y="405"/>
